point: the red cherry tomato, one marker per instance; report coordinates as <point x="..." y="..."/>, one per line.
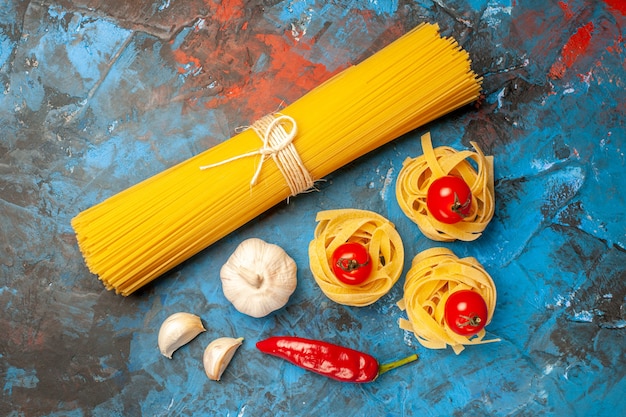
<point x="351" y="263"/>
<point x="449" y="199"/>
<point x="465" y="312"/>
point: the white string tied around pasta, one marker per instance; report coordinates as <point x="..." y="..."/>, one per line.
<point x="277" y="144"/>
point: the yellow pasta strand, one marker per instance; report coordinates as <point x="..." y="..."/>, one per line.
<point x="434" y="275"/>
<point x="135" y="236"/>
<point x="418" y="173"/>
<point x="373" y="231"/>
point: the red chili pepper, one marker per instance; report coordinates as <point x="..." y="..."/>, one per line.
<point x="333" y="361"/>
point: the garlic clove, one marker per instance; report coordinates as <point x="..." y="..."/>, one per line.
<point x="178" y="330"/>
<point x="258" y="278"/>
<point x="218" y="355"/>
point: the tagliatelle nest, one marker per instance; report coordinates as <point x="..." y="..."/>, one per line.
<point x="418" y="173"/>
<point x="434" y="275"/>
<point x="377" y="234"/>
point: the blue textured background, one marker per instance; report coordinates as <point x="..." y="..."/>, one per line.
<point x="99" y="95"/>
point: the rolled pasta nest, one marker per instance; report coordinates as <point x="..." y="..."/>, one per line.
<point x="418" y="173"/>
<point x="434" y="275"/>
<point x="377" y="234"/>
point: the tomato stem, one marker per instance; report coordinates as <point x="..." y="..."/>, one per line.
<point x="350" y="265"/>
<point x="396" y="364"/>
<point x="473" y="320"/>
<point x="459" y="208"/>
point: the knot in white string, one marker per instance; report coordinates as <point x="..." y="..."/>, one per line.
<point x="272" y="132"/>
<point x="277" y="144"/>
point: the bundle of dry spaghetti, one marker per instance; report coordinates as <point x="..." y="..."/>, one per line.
<point x="434" y="275"/>
<point x="135" y="236"/>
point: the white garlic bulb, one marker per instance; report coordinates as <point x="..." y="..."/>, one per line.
<point x="178" y="330"/>
<point x="218" y="355"/>
<point x="258" y="278"/>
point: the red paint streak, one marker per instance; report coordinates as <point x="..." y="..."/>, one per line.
<point x="575" y="47"/>
<point x="226" y="11"/>
<point x="288" y="66"/>
<point x="239" y="66"/>
<point x="288" y="77"/>
<point x="577" y="44"/>
<point x="557" y="70"/>
<point x="185" y="60"/>
<point x="566" y="10"/>
<point x="619" y="5"/>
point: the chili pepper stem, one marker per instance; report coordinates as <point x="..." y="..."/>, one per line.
<point x="396" y="364"/>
